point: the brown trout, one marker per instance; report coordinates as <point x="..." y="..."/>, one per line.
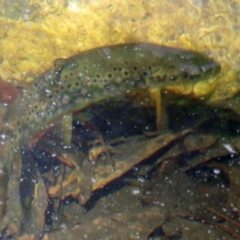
<point x="87" y="78"/>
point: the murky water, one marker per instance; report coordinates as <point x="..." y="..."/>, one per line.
<point x="180" y="183"/>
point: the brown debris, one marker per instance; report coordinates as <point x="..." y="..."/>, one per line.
<point x="128" y="226"/>
<point x="125" y="159"/>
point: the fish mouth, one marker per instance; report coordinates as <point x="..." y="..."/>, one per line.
<point x="212" y="68"/>
<point x="194" y="71"/>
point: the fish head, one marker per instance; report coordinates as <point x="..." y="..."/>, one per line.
<point x="182" y="71"/>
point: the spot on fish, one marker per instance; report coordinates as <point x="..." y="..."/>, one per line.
<point x="83" y="91"/>
<point x="137" y="77"/>
<point x="65" y="99"/>
<point x="145" y="73"/>
<point x="119" y="79"/>
<point x="112" y="88"/>
<point x="100" y="85"/>
<point x="135" y="68"/>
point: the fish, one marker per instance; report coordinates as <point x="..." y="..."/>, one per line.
<point x="87" y="78"/>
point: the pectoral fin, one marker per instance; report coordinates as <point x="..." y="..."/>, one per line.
<point x="161" y="115"/>
<point x="63" y="129"/>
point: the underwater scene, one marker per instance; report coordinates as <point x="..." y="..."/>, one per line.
<point x="119" y="119"/>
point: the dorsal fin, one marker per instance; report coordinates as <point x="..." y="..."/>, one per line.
<point x="59" y="64"/>
<point x="63" y="129"/>
<point x="8" y="93"/>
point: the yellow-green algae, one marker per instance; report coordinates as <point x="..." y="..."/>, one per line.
<point x="58" y="29"/>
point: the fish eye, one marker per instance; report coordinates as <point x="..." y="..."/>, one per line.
<point x="172" y="78"/>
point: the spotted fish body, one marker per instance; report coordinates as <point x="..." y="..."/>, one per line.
<point x="89" y="77"/>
